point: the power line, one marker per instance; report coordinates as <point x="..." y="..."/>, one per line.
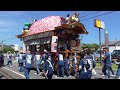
<point x="90" y="14"/>
<point x="8" y="39"/>
<point x="97" y="15"/>
<point x="83" y="12"/>
<point x="81" y="20"/>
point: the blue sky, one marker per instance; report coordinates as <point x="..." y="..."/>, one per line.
<point x="12" y="22"/>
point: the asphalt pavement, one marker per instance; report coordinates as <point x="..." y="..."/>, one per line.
<point x="14" y="72"/>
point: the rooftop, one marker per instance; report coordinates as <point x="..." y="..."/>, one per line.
<point x="113" y="43"/>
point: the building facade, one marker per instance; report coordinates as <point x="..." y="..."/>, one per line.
<point x="113" y="45"/>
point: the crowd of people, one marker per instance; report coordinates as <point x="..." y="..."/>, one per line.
<point x="45" y="65"/>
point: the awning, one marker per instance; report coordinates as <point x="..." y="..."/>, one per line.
<point x="38" y="36"/>
<point x="38" y="41"/>
<point x="19" y="36"/>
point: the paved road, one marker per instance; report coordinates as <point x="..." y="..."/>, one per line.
<point x="2" y="77"/>
<point x="13" y="71"/>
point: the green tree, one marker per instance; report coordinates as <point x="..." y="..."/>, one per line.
<point x="96" y="46"/>
<point x="90" y="46"/>
<point x="6" y="49"/>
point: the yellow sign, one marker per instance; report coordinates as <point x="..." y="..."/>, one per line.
<point x="97" y="23"/>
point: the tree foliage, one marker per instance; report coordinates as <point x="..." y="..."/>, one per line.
<point x="6" y="49"/>
<point x="90" y="46"/>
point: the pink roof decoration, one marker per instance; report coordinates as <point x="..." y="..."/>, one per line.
<point x="45" y="24"/>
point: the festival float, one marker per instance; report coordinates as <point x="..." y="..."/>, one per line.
<point x="53" y="33"/>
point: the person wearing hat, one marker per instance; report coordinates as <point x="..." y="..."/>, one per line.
<point x="82" y="70"/>
<point x="75" y="17"/>
<point x="67" y="66"/>
<point x="74" y="64"/>
<point x="28" y="64"/>
<point x="118" y="70"/>
<point x="43" y="59"/>
<point x="86" y="66"/>
<point x="93" y="70"/>
<point x="20" y="61"/>
<point x="9" y="59"/>
<point x="49" y="68"/>
<point x="68" y="19"/>
<point x="60" y="65"/>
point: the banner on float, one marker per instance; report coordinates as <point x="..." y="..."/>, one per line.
<point x="54" y="43"/>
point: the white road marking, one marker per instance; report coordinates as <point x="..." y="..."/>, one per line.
<point x="14" y="72"/>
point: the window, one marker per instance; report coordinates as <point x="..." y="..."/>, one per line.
<point x="116" y="52"/>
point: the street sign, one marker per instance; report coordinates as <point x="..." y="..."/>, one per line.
<point x="99" y="24"/>
<point x="102" y="25"/>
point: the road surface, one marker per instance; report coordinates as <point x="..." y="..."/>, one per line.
<point x="15" y="74"/>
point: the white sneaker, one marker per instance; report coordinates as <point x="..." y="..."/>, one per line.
<point x="39" y="74"/>
<point x="103" y="75"/>
<point x="112" y="75"/>
<point x="35" y="73"/>
<point x="56" y="77"/>
<point x="69" y="76"/>
<point x="65" y="76"/>
<point x="18" y="68"/>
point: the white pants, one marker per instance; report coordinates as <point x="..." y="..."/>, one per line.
<point x="93" y="72"/>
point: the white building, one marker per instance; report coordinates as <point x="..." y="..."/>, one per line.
<point x="113" y="45"/>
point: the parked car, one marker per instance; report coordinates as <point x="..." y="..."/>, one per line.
<point x="115" y="55"/>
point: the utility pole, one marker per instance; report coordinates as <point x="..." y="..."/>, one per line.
<point x="99" y="24"/>
<point x="100" y="45"/>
